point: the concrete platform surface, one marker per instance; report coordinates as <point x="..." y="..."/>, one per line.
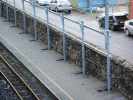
<point x="59" y="76"/>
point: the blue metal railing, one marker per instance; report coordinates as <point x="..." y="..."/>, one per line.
<point x="7" y="10"/>
<point x="81" y="23"/>
<point x="0" y="10"/>
<point x="15" y="14"/>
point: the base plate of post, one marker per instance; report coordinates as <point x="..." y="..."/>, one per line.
<point x="61" y="59"/>
<point x="32" y="40"/>
<point x="5" y="21"/>
<point x="45" y="48"/>
<point x="23" y="32"/>
<point x="102" y="90"/>
<point x="12" y="26"/>
<point x="77" y="73"/>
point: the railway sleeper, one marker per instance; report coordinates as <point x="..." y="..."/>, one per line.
<point x="3" y="86"/>
<point x="8" y="92"/>
<point x="2" y="81"/>
<point x="16" y="67"/>
<point x="38" y="92"/>
<point x="17" y="84"/>
<point x="29" y="97"/>
<point x="1" y="50"/>
<point x="8" y="60"/>
<point x="21" y="88"/>
<point x="13" y="78"/>
<point x="8" y="73"/>
<point x="4" y="54"/>
<point x="24" y="92"/>
<point x="42" y="97"/>
<point x="8" y="98"/>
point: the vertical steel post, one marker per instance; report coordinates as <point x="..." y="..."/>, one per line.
<point x="7" y="10"/>
<point x="24" y="16"/>
<point x="15" y="14"/>
<point x="46" y="10"/>
<point x="96" y="12"/>
<point x="64" y="45"/>
<point x="83" y="48"/>
<point x="0" y="9"/>
<point x="107" y="35"/>
<point x="33" y="4"/>
<point x="112" y="9"/>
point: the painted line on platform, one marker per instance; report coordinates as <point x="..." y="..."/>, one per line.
<point x="38" y="68"/>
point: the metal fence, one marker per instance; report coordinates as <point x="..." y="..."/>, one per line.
<point x="62" y="19"/>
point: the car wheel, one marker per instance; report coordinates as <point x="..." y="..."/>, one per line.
<point x="127" y="32"/>
<point x="69" y="11"/>
<point x="112" y="28"/>
<point x="56" y="9"/>
<point x="100" y="24"/>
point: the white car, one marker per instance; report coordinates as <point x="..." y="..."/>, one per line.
<point x="42" y="2"/>
<point x="128" y="27"/>
<point x="60" y="5"/>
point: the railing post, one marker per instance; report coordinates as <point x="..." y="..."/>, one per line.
<point x="107" y="35"/>
<point x="83" y="48"/>
<point x="7" y="10"/>
<point x="48" y="33"/>
<point x="64" y="45"/>
<point x="33" y="5"/>
<point x="15" y="14"/>
<point x="24" y="17"/>
<point x="112" y="9"/>
<point x="0" y="9"/>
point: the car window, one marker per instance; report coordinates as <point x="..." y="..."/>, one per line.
<point x="63" y="1"/>
<point x="121" y="17"/>
<point x="131" y="23"/>
<point x="54" y="1"/>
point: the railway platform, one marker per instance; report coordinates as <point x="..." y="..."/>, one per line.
<point x="58" y="76"/>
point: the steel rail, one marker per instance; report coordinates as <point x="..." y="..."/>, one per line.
<point x="20" y="78"/>
<point x="11" y="85"/>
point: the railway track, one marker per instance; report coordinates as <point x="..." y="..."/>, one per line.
<point x="6" y="91"/>
<point x="24" y="83"/>
<point x="18" y="84"/>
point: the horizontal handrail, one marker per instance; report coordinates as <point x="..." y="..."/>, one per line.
<point x="76" y="39"/>
<point x="101" y="32"/>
